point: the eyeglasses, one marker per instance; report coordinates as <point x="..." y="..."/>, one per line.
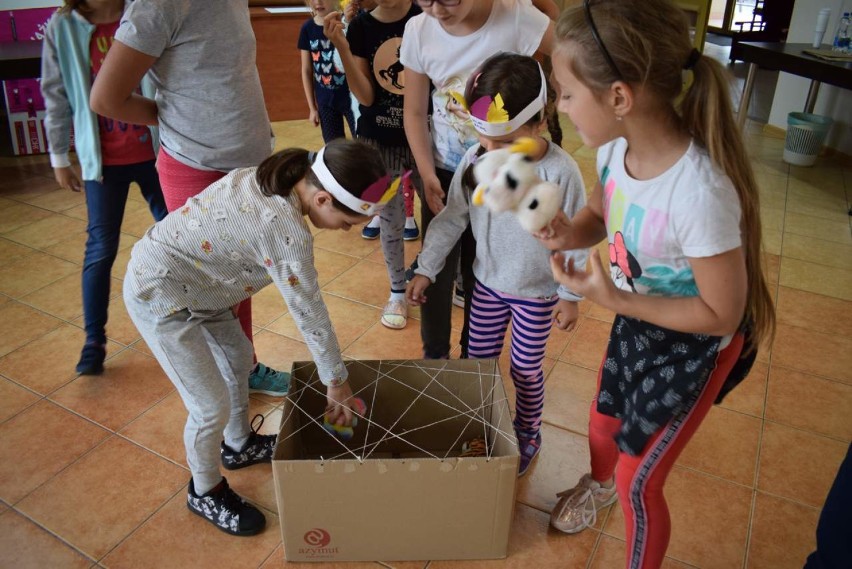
<point x="610" y="61"/>
<point x="446" y="3"/>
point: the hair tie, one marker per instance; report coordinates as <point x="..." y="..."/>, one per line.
<point x="693" y="58"/>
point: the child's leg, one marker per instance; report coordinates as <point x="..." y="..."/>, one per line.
<point x="206" y="360"/>
<point x="602" y="431"/>
<point x="392" y="218"/>
<point x="105" y="202"/>
<point x="489" y="318"/>
<point x="532" y="320"/>
<point x="331" y="122"/>
<point x="640" y="479"/>
<point x="146" y="176"/>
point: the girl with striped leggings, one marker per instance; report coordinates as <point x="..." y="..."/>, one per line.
<point x="678" y="205"/>
<point x="513" y="280"/>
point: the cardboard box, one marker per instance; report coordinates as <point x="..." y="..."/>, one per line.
<point x="399" y="490"/>
<point x="25" y="108"/>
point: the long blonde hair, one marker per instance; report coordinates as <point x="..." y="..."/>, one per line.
<point x="649" y="43"/>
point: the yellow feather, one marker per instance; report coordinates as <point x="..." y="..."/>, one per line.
<point x="496" y="112"/>
<point x="525" y="145"/>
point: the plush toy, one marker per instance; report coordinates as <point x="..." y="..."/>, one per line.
<point x="507" y="181"/>
<point x="344" y="432"/>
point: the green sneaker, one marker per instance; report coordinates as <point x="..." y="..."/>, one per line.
<point x="266" y="380"/>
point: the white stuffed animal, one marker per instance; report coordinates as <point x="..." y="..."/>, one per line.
<point x="507" y="181"/>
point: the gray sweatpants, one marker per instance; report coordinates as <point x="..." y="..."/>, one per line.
<point x="208" y="358"/>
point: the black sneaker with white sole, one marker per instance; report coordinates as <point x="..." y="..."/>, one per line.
<point x="258" y="449"/>
<point x="224" y="508"/>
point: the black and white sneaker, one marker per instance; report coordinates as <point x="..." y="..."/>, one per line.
<point x="224" y="508"/>
<point x="258" y="448"/>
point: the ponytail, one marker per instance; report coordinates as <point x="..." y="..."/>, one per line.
<point x="277" y="175"/>
<point x="707" y="114"/>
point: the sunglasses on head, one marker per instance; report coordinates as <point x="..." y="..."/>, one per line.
<point x="610" y="61"/>
<point x="428" y="3"/>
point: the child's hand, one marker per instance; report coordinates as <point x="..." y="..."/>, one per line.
<point x="565" y="314"/>
<point x="595" y="284"/>
<point x="434" y="194"/>
<point x="332" y="27"/>
<point x="68" y="178"/>
<point x="339" y="408"/>
<point x="414" y="291"/>
<point x="351" y="10"/>
<point x="556" y="234"/>
<point x="313" y="117"/>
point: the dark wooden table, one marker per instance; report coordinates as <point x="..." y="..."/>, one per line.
<point x="790" y="58"/>
<point x="20" y="60"/>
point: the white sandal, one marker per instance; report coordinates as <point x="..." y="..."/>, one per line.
<point x="395" y="315"/>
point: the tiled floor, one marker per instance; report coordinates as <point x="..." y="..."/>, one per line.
<point x="93" y="473"/>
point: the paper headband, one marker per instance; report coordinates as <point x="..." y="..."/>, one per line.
<point x="490" y="118"/>
<point x="372" y="200"/>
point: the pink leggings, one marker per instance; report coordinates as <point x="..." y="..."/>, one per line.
<point x="181" y="182"/>
<point x="640" y="479"/>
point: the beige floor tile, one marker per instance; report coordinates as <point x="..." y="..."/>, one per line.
<point x="72" y="248"/>
<point x="830" y="253"/>
<point x="725" y="445"/>
<point x="25" y="545"/>
<point x="33" y="272"/>
<point x="14" y="398"/>
<point x="827" y="355"/>
<point x="771" y="269"/>
<point x="612" y="553"/>
<point x="412" y="248"/>
<point x="568" y="393"/>
<point x="58" y="200"/>
<point x="46" y="232"/>
<point x="120" y="265"/>
<point x="279" y="352"/>
<point x="709" y="520"/>
<point x="588" y="345"/>
<point x="773" y="190"/>
<point x="160" y="429"/>
<point x="63" y="344"/>
<point x="19" y="215"/>
<point x="62" y="299"/>
<point x="563" y="459"/>
<point x="111" y="497"/>
<point x="798" y="465"/>
<point x="379" y="342"/>
<point x="826" y="179"/>
<point x="749" y="397"/>
<point x="78" y="212"/>
<point x="346" y="242"/>
<point x="267" y="306"/>
<point x="331" y="265"/>
<point x="276" y="561"/>
<point x="366" y="282"/>
<point x="809" y="226"/>
<point x="831" y="208"/>
<point x="810" y="402"/>
<point x="161" y="542"/>
<point x="22" y="325"/>
<point x="533" y="544"/>
<point x="137" y="219"/>
<point x="350" y="320"/>
<point x="11" y="251"/>
<point x="62" y="437"/>
<point x="131" y="384"/>
<point x="120" y="327"/>
<point x="783" y="533"/>
<point x="814" y="312"/>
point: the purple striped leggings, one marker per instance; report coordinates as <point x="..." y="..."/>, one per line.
<point x="531" y="323"/>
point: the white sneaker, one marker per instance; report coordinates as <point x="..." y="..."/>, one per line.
<point x="578" y="507"/>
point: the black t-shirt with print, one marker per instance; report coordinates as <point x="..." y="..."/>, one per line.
<point x="378" y="43"/>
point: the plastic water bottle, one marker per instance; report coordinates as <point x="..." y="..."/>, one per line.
<point x="841" y="38"/>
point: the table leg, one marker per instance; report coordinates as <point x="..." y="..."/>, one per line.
<point x="813" y="91"/>
<point x="746" y="96"/>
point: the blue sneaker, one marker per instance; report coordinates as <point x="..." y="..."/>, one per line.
<point x="411" y="233"/>
<point x="370" y="232"/>
<point x="529" y="445"/>
<point x="266" y="380"/>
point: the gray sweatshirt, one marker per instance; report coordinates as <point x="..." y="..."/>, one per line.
<point x="508" y="259"/>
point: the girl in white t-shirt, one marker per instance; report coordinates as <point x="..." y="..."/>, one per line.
<point x="440" y="49"/>
<point x="678" y="205"/>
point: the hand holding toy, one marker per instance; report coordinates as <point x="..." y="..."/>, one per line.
<point x="346" y="432"/>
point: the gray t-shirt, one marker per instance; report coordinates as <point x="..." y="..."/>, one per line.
<point x="211" y="110"/>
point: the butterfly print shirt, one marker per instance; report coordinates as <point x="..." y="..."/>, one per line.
<point x="328" y="77"/>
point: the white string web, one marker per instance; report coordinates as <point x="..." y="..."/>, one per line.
<point x="391" y="428"/>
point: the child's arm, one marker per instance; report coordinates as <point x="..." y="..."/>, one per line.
<point x="57" y="120"/>
<point x="308" y="86"/>
<point x="415" y="119"/>
<point x="582" y="231"/>
<point x="565" y="314"/>
<point x="357" y="68"/>
<point x="717" y="310"/>
<point x="114" y="90"/>
<point x="547" y="7"/>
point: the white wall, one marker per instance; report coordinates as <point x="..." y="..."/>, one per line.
<point x="19" y="4"/>
<point x="792" y="91"/>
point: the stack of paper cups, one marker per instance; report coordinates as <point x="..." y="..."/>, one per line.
<point x="821" y="26"/>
